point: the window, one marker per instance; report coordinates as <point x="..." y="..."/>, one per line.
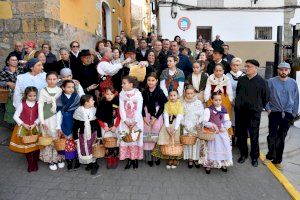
<point x="263" y="33"/>
<point x="210" y="3"/>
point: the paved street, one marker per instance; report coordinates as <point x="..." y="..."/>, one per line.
<point x="240" y="182"/>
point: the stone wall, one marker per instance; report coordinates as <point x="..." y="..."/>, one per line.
<point x="38" y="20"/>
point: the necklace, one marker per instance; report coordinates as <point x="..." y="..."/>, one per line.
<point x="65" y="65"/>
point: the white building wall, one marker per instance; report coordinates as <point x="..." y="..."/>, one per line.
<point x="238" y="3"/>
<point x="233" y="25"/>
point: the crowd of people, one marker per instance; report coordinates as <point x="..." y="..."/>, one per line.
<point x="151" y="89"/>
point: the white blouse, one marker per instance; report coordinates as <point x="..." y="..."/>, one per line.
<point x="25" y="80"/>
<point x="19" y="111"/>
<point x="226" y="124"/>
<point x="107" y="68"/>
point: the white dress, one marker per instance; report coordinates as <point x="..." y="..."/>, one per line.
<point x="131" y="104"/>
<point x="25" y="80"/>
<point x="193" y="114"/>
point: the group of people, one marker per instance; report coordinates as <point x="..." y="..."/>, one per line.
<point x="153" y="90"/>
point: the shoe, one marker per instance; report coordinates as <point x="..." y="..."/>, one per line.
<point x="61" y="165"/>
<point x="129" y="163"/>
<point x="135" y="164"/>
<point x="190" y="165"/>
<point x="242" y="159"/>
<point x="95" y="168"/>
<point x="168" y="166"/>
<point x="157" y="162"/>
<point x="197" y="165"/>
<point x="69" y="164"/>
<point x="254" y="162"/>
<point x="77" y="164"/>
<point x="267" y="161"/>
<point x="207" y="170"/>
<point x="150" y="163"/>
<point x="224" y="169"/>
<point x="88" y="167"/>
<point x="279" y="166"/>
<point x="173" y="166"/>
<point x="53" y="167"/>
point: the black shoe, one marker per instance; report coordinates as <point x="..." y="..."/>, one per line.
<point x="129" y="163"/>
<point x="150" y="163"/>
<point x="135" y="164"/>
<point x="190" y="166"/>
<point x="254" y="162"/>
<point x="197" y="165"/>
<point x="242" y="159"/>
<point x="157" y="162"/>
<point x="95" y="168"/>
<point x="77" y="164"/>
<point x="88" y="167"/>
<point x="69" y="164"/>
<point x="224" y="169"/>
<point x="207" y="171"/>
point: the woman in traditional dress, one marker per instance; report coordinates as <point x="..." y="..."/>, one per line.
<point x="26" y="117"/>
<point x="131" y="105"/>
<point x="172" y="78"/>
<point x="219" y="150"/>
<point x="29" y="47"/>
<point x="193" y="114"/>
<point x="8" y="78"/>
<point x="219" y="82"/>
<point x="67" y="103"/>
<point x="47" y="116"/>
<point x="153" y="107"/>
<point x="86" y="131"/>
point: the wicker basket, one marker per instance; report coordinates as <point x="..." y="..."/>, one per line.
<point x="45" y="141"/>
<point x="110" y="142"/>
<point x="128" y="137"/>
<point x="206" y="134"/>
<point x="172" y="149"/>
<point x="4" y="95"/>
<point x="60" y="143"/>
<point x="28" y="139"/>
<point x="98" y="150"/>
<point x="188" y="139"/>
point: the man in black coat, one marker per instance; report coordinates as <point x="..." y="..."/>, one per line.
<point x="252" y="96"/>
<point x="142" y="51"/>
<point x="217" y="42"/>
<point x="218" y="58"/>
<point x="184" y="62"/>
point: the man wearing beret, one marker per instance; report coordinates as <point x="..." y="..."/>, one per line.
<point x="282" y="108"/>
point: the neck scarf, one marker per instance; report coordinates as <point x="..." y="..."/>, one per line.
<point x="218" y="82"/>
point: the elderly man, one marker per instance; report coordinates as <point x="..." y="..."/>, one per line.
<point x="227" y="56"/>
<point x="50" y="57"/>
<point x="142" y="51"/>
<point x="19" y="51"/>
<point x="106" y="69"/>
<point x="218" y="58"/>
<point x="252" y="95"/>
<point x="217" y="42"/>
<point x="282" y="108"/>
<point x="184" y="62"/>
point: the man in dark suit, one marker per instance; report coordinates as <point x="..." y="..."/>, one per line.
<point x="142" y="51"/>
<point x="184" y="62"/>
<point x="218" y="58"/>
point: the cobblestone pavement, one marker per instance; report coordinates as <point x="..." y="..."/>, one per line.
<point x="240" y="182"/>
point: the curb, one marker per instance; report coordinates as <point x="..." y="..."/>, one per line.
<point x="293" y="192"/>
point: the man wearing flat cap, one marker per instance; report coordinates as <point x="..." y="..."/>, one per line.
<point x="218" y="58"/>
<point x="282" y="108"/>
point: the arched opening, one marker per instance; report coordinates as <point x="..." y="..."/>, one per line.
<point x="106" y="21"/>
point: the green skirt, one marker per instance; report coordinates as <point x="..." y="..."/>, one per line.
<point x="9" y="112"/>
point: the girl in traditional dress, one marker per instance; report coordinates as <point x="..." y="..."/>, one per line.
<point x="131" y="104"/>
<point x="66" y="74"/>
<point x="193" y="113"/>
<point x="86" y="131"/>
<point x="172" y="78"/>
<point x="219" y="82"/>
<point x="153" y="107"/>
<point x="67" y="103"/>
<point x="170" y="131"/>
<point x="109" y="120"/>
<point x="233" y="76"/>
<point x="26" y="117"/>
<point x="219" y="150"/>
<point x="47" y="116"/>
<point x="198" y="80"/>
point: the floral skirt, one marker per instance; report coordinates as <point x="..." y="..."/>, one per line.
<point x="50" y="155"/>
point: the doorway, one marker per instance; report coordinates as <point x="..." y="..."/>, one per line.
<point x="205" y="31"/>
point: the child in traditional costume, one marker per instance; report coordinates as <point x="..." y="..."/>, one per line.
<point x="86" y="131"/>
<point x="109" y="120"/>
<point x="170" y="131"/>
<point x="193" y="114"/>
<point x="219" y="150"/>
<point x="26" y="117"/>
<point x="172" y="78"/>
<point x="153" y="107"/>
<point x="66" y="74"/>
<point x="131" y="126"/>
<point x="67" y="103"/>
<point x="219" y="82"/>
<point x="47" y="116"/>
